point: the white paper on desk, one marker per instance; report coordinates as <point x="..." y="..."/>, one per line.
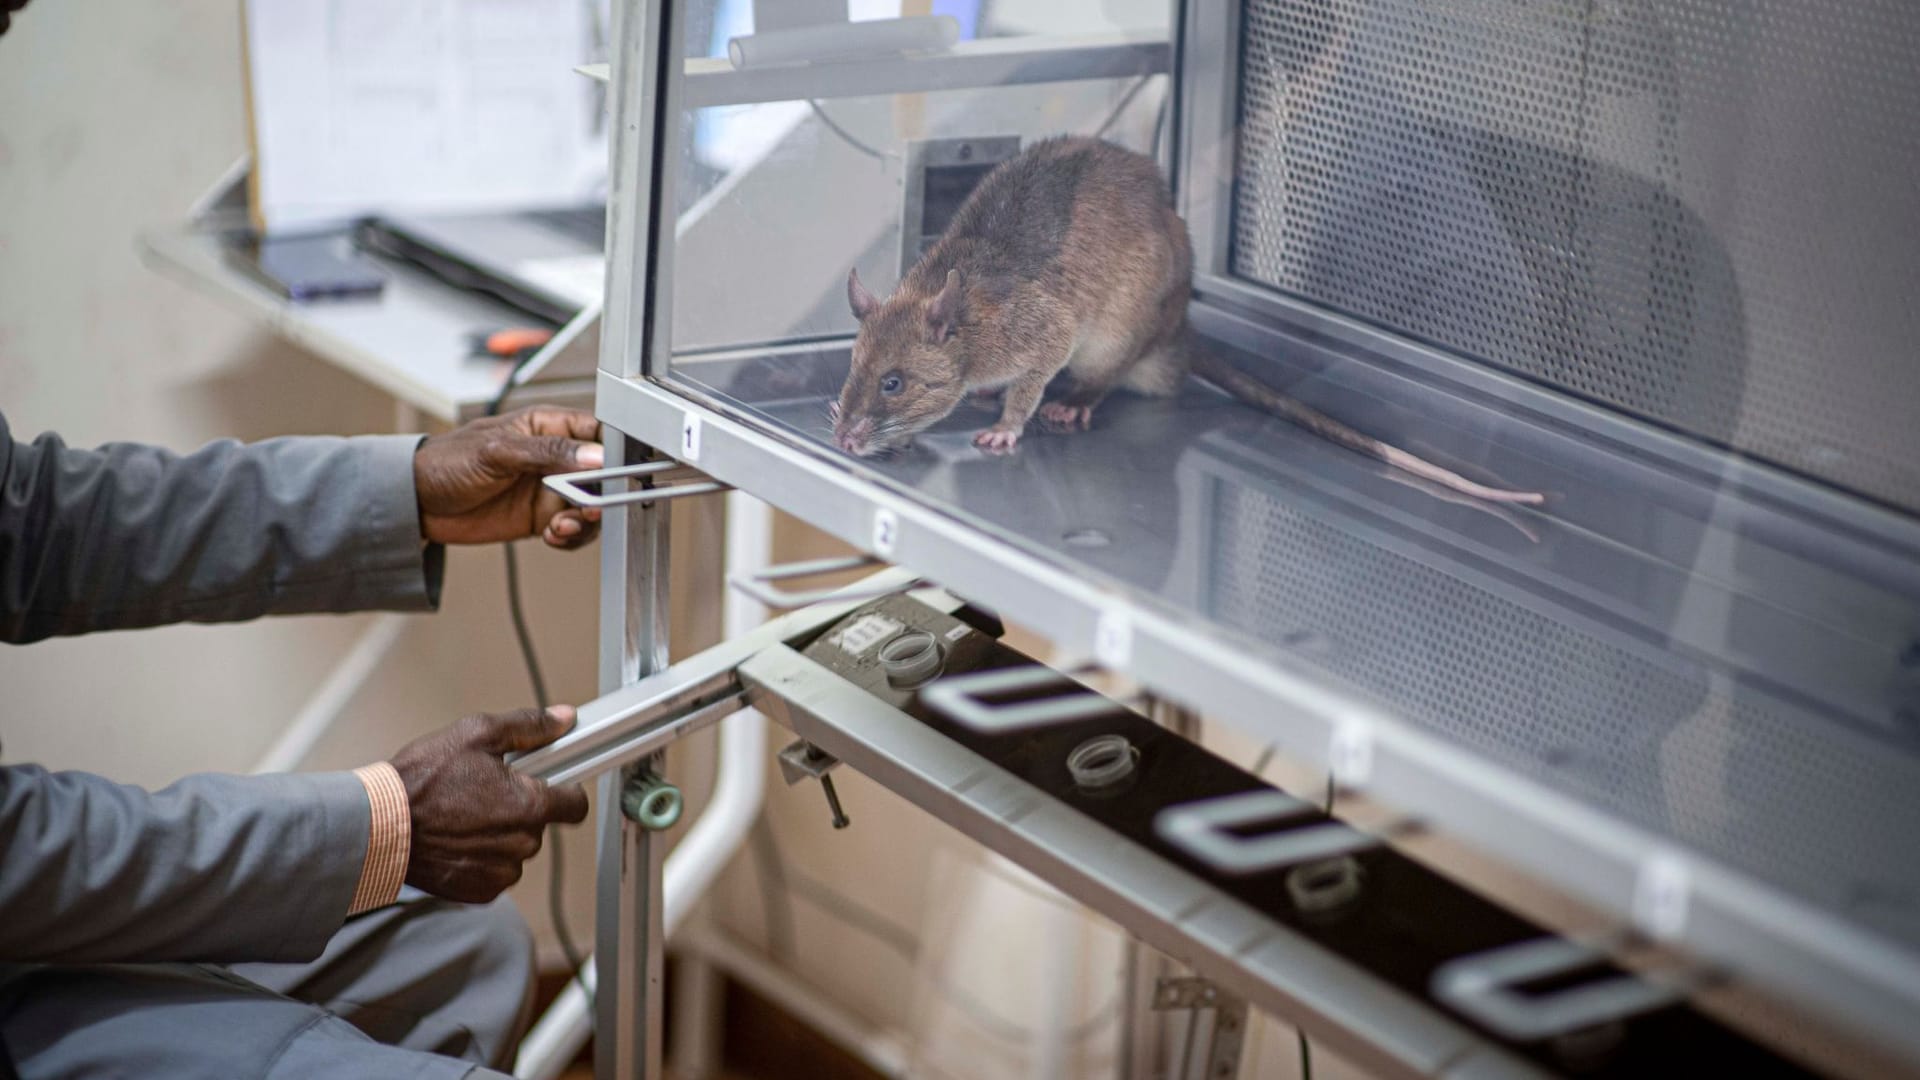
<point x="363" y="106"/>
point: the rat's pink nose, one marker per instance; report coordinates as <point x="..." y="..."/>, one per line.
<point x="853" y="437"/>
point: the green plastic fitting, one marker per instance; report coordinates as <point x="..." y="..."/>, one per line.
<point x="651" y="802"/>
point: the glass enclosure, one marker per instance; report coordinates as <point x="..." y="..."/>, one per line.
<point x="1654" y="262"/>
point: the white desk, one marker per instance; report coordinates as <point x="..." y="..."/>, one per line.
<point x="413" y="341"/>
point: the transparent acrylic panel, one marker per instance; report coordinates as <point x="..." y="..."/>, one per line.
<point x="1547" y="250"/>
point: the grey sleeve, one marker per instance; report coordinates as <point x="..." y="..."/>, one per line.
<point x="128" y="535"/>
<point x="215" y="869"/>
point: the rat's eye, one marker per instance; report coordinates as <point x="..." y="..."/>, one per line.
<point x="891" y="384"/>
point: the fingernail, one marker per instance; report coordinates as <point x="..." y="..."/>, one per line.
<point x="590" y="456"/>
<point x="562" y="714"/>
<point x="565" y="526"/>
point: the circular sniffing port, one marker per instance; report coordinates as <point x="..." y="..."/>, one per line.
<point x="1324" y="885"/>
<point x="1102" y="762"/>
<point x="912" y="659"/>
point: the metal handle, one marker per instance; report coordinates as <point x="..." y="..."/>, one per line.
<point x="759" y="584"/>
<point x="1207" y="830"/>
<point x="1485" y="986"/>
<point x="960" y="697"/>
<point x="567" y="485"/>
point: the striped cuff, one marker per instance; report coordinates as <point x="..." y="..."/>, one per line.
<point x="389" y="840"/>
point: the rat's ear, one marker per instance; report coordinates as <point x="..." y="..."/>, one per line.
<point x="858" y="298"/>
<point x="943" y="312"/>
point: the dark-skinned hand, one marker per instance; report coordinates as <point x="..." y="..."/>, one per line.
<point x="475" y="821"/>
<point x="480" y="482"/>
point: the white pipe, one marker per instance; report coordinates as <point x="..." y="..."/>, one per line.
<point x="336" y="692"/>
<point x="1059" y="990"/>
<point x="739" y="791"/>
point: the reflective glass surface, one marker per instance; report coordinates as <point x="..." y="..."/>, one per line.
<point x="1597" y="257"/>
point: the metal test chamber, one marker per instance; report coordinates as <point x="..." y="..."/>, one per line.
<point x="1762" y="574"/>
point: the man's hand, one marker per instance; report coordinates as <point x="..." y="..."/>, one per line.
<point x="475" y="821"/>
<point x="480" y="482"/>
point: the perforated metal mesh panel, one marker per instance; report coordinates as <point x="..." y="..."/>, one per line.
<point x="1702" y="212"/>
<point x="1821" y="810"/>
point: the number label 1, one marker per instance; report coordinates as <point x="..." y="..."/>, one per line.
<point x="690" y="437"/>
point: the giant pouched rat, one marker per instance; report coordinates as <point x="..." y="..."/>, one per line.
<point x="1069" y="255"/>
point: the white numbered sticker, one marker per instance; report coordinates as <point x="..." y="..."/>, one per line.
<point x="1351" y="754"/>
<point x="690" y="437"/>
<point x="871" y="629"/>
<point x="886" y="533"/>
<point x="1113" y="640"/>
<point x="1660" y="896"/>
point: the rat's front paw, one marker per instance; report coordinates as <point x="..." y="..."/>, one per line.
<point x="997" y="440"/>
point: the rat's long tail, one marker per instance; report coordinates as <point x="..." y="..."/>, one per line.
<point x="1264" y="397"/>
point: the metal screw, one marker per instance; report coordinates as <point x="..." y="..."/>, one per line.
<point x="840" y="819"/>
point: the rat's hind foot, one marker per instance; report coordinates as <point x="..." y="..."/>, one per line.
<point x="997" y="440"/>
<point x="1064" y="417"/>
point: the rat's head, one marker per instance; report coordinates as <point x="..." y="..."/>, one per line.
<point x="908" y="370"/>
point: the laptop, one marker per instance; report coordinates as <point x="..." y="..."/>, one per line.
<point x="550" y="263"/>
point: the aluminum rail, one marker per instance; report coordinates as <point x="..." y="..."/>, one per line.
<point x="644" y="717"/>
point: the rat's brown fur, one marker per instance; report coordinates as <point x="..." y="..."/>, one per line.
<point x="1069" y="256"/>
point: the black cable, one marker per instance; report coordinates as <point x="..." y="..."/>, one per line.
<point x="520" y="630"/>
<point x="845" y="135"/>
<point x="556" y="860"/>
<point x="514" y="607"/>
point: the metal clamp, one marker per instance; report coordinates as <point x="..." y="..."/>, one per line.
<point x="963" y="698"/>
<point x="759" y="584"/>
<point x="684" y="484"/>
<point x="801" y="760"/>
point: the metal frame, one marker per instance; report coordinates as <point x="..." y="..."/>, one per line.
<point x="1249" y="956"/>
<point x="1673" y="896"/>
<point x="629" y="938"/>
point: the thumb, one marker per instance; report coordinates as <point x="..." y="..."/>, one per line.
<point x="546" y="454"/>
<point x="524" y="729"/>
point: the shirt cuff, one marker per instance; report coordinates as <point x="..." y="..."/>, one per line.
<point x="389" y="840"/>
<point x="395" y="569"/>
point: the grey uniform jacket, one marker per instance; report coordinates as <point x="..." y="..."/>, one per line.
<point x="213" y="868"/>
